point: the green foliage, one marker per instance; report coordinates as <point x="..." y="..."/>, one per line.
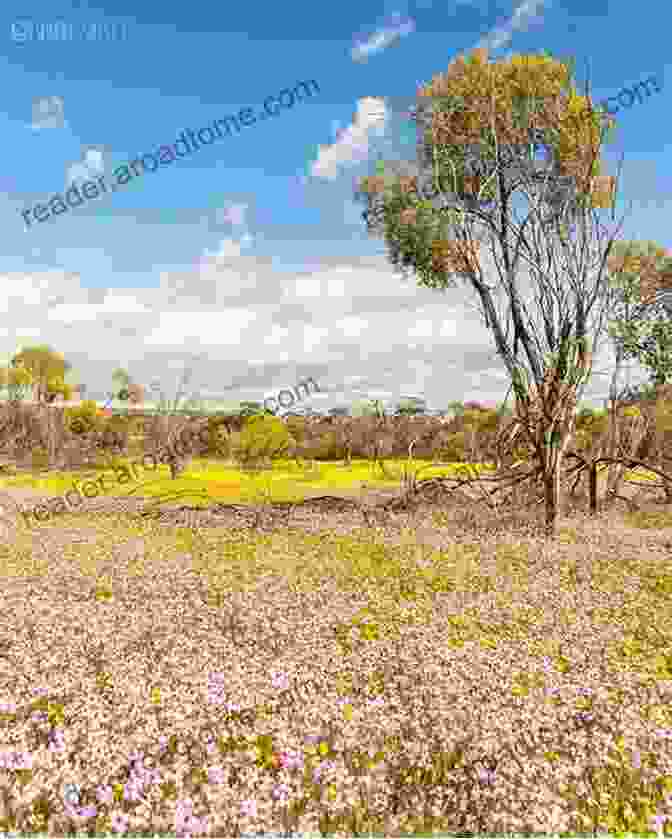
<point x="454" y="448"/>
<point x="297" y="427"/>
<point x="590" y="425"/>
<point x="40" y="458"/>
<point x="409" y="408"/>
<point x="219" y="444"/>
<point x="17" y="380"/>
<point x="641" y="328"/>
<point x="327" y="447"/>
<point x="118" y="423"/>
<point x="84" y="418"/>
<point x="536" y="104"/>
<point x="47" y="368"/>
<point x="252" y="409"/>
<point x="480" y="419"/>
<point x="121" y="377"/>
<point x="56" y="386"/>
<point x="456" y="407"/>
<point x="262" y="439"/>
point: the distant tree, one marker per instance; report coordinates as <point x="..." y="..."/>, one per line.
<point x="456" y="408"/>
<point x="410" y="407"/>
<point x="55" y="387"/>
<point x="17" y="380"/>
<point x="251" y="409"/>
<point x="262" y="440"/>
<point x="84" y="418"/>
<point x="47" y="368"/>
<point x="121" y="378"/>
<point x="642" y="327"/>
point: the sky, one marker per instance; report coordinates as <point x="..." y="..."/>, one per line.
<point x="246" y="261"/>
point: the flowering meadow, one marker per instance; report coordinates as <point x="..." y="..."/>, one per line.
<point x="336" y="680"/>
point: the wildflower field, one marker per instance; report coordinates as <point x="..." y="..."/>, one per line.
<point x="330" y="678"/>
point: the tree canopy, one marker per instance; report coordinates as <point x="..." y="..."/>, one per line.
<point x="47" y="369"/>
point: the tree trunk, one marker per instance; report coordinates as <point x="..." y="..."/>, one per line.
<point x="552" y="471"/>
<point x="551" y="448"/>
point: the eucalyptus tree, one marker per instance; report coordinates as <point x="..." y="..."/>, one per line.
<point x="495" y="138"/>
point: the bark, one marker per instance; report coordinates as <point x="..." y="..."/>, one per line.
<point x="548" y="422"/>
<point x="552" y="474"/>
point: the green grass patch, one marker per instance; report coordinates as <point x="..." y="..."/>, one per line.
<point x="285" y="481"/>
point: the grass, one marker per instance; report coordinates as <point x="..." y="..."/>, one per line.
<point x="287" y="481"/>
<point x="341" y="683"/>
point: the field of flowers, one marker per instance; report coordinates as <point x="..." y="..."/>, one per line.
<point x="336" y="679"/>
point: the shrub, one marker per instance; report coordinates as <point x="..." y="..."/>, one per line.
<point x="591" y="425"/>
<point x="40" y="458"/>
<point x="330" y="447"/>
<point x="83" y="419"/>
<point x="116" y="429"/>
<point x="451" y="448"/>
<point x="263" y="439"/>
<point x="221" y="440"/>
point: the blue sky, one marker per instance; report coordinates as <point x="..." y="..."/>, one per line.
<point x="249" y="260"/>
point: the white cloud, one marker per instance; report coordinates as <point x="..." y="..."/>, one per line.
<point x="383" y="37"/>
<point x="421" y="329"/>
<point x="352" y="326"/>
<point x="222" y="328"/>
<point x="228" y="249"/>
<point x="523" y="16"/>
<point x="112" y="304"/>
<point x="20" y="287"/>
<point x="313" y="337"/>
<point x="448" y="329"/>
<point x="353" y="142"/>
<point x="278" y="334"/>
<point x="305" y="287"/>
<point x="349" y="315"/>
<point x="26" y="332"/>
<point x="335" y="287"/>
<point x="86" y="169"/>
<point x="48" y="112"/>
